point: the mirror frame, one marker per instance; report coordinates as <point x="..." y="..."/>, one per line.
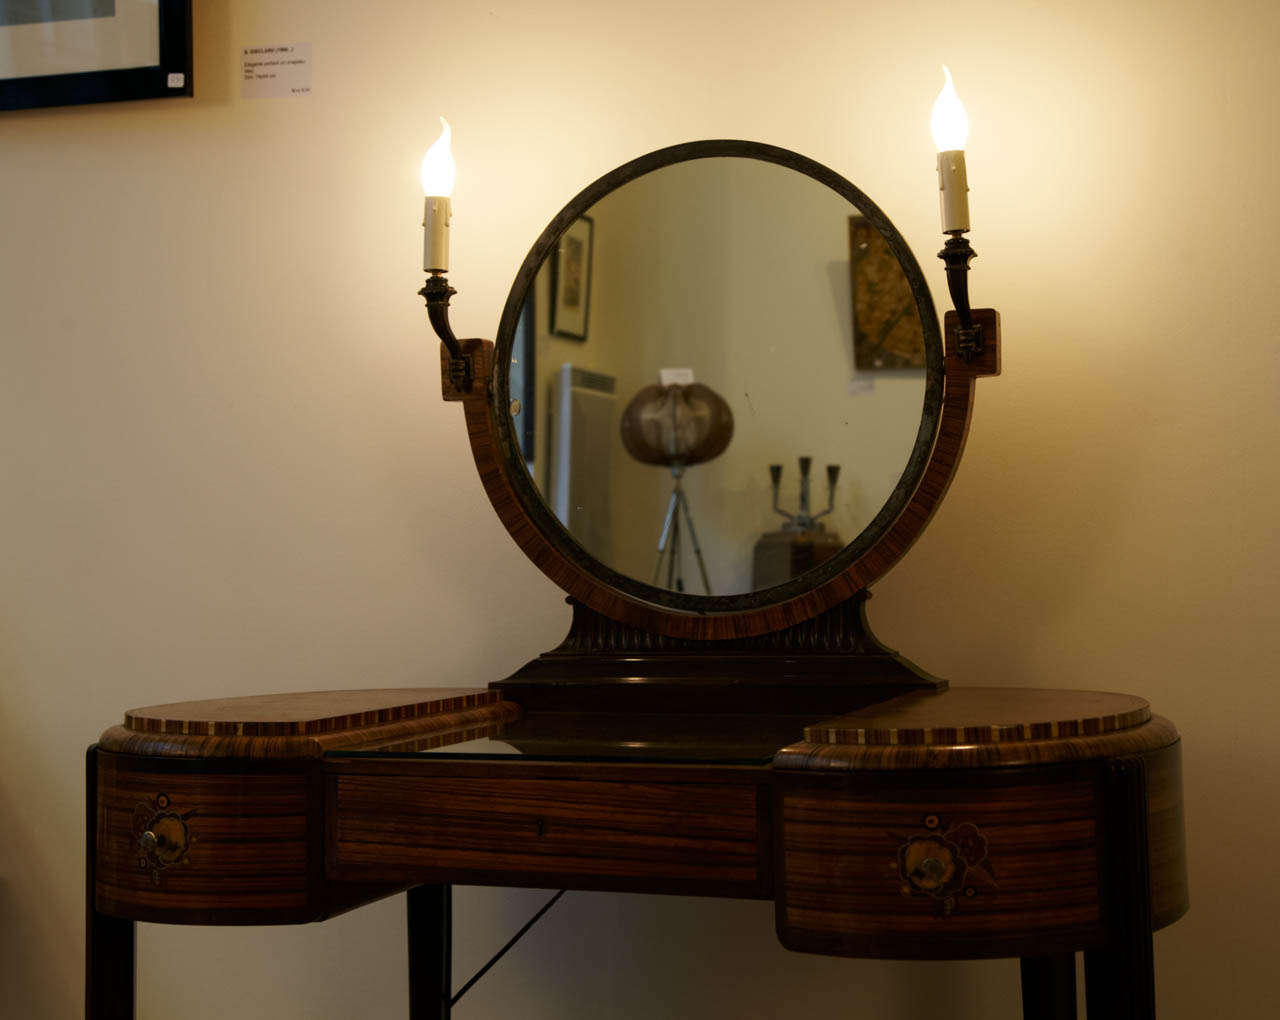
<point x="552" y="548"/>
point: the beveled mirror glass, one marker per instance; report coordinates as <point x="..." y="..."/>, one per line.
<point x="688" y="322"/>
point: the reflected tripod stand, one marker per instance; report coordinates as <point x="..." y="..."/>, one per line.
<point x="669" y="541"/>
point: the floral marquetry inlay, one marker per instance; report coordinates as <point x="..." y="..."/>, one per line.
<point x="944" y="862"/>
<point x="164" y="838"/>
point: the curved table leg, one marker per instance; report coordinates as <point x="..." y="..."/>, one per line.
<point x="1049" y="987"/>
<point x="109" y="956"/>
<point x="430" y="910"/>
<point x="1120" y="979"/>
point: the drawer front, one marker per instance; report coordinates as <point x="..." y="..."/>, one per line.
<point x="506" y="829"/>
<point x="954" y="871"/>
<point x="176" y="844"/>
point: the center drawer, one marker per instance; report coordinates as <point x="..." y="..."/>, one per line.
<point x="578" y="825"/>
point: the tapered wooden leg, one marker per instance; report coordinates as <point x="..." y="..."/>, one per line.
<point x="430" y="952"/>
<point x="109" y="960"/>
<point x="1120" y="980"/>
<point x="1118" y="986"/>
<point x="1049" y="987"/>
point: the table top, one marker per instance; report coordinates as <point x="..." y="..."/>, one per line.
<point x="298" y="713"/>
<point x="746" y="739"/>
<point x="989" y="725"/>
<point x="984" y="715"/>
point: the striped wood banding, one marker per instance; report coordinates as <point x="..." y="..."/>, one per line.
<point x="1051" y="851"/>
<point x="1150" y="736"/>
<point x="525" y="823"/>
<point x="1166" y="836"/>
<point x="306" y="725"/>
<point x="842" y="888"/>
<point x="980" y="727"/>
<point x="250" y="851"/>
<point x="956" y="411"/>
<point x="984" y="715"/>
<point x="303" y="713"/>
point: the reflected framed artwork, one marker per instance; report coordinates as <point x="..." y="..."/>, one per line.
<point x="887" y="333"/>
<point x="571" y="280"/>
<point x="70" y="52"/>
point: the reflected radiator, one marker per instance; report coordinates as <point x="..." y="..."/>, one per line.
<point x="584" y="424"/>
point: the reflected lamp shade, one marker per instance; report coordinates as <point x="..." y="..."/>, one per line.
<point x="677" y="425"/>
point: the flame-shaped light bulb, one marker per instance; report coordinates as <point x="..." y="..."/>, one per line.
<point x="950" y="127"/>
<point x="438" y="175"/>
<point x="439" y="172"/>
<point x="948" y="122"/>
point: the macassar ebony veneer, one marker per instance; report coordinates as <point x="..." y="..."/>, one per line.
<point x="1001" y="833"/>
<point x="955" y="824"/>
<point x="211" y="812"/>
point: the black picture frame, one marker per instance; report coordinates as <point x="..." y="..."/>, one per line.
<point x="170" y="78"/>
<point x="571" y="280"/>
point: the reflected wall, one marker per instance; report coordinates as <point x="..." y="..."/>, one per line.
<point x="739" y="272"/>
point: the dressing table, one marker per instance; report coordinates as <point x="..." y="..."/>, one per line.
<point x="741" y="742"/>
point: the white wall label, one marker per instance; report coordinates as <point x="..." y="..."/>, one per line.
<point x="675" y="376"/>
<point x="273" y="71"/>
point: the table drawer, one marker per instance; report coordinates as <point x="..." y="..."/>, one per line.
<point x="640" y="830"/>
<point x="921" y="868"/>
<point x="202" y="843"/>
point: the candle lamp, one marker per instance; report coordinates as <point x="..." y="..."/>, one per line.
<point x="950" y="127"/>
<point x="439" y="173"/>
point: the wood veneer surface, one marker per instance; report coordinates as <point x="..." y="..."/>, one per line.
<point x="608" y="826"/>
<point x="248" y="852"/>
<point x="980" y="727"/>
<point x="1037" y="851"/>
<point x="984" y="715"/>
<point x="303" y="712"/>
<point x="843" y="890"/>
<point x="307" y="724"/>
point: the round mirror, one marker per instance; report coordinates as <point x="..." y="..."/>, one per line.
<point x="718" y="377"/>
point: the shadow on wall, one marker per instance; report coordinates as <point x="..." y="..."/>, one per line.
<point x="669" y="956"/>
<point x="28" y="940"/>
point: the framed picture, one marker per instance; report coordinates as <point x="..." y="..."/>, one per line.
<point x="571" y="281"/>
<point x="67" y="52"/>
<point x="887" y="332"/>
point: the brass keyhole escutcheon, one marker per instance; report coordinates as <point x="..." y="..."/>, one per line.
<point x="932" y="868"/>
<point x="164" y="838"/>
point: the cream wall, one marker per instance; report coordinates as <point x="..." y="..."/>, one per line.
<point x="226" y="468"/>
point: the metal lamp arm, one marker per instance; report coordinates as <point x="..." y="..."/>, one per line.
<point x="437" y="292"/>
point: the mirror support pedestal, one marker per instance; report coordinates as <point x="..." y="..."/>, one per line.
<point x="829" y="664"/>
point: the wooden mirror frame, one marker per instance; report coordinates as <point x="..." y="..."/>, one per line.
<point x="522" y="509"/>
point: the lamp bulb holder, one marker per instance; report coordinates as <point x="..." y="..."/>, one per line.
<point x="956" y="255"/>
<point x="437" y="292"/>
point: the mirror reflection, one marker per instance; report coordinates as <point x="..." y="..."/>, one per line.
<point x="717" y="378"/>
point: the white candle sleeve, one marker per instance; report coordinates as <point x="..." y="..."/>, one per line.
<point x="435" y="242"/>
<point x="953" y="189"/>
